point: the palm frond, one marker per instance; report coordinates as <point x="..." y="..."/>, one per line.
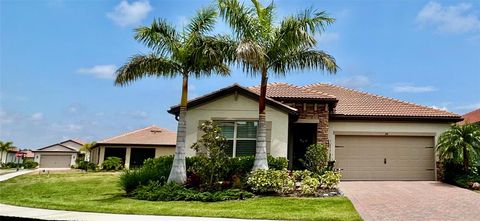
<point x="304" y="58"/>
<point x="160" y="36"/>
<point x="240" y="18"/>
<point x="203" y="22"/>
<point x="140" y="66"/>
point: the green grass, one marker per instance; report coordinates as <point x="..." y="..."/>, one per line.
<point x="99" y="192"/>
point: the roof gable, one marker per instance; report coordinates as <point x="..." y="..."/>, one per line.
<point x="57" y="148"/>
<point x="151" y="135"/>
<point x="357" y="103"/>
<point x="229" y="90"/>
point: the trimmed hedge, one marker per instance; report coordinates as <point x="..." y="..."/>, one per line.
<point x="158" y="169"/>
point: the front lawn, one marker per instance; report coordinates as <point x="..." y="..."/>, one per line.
<point x="99" y="192"/>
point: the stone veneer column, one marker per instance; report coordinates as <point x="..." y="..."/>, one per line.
<point x="317" y="112"/>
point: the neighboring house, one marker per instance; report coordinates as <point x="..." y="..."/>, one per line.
<point x="10" y="156"/>
<point x="370" y="137"/>
<point x="135" y="146"/>
<point x="60" y="155"/>
<point x="472" y="117"/>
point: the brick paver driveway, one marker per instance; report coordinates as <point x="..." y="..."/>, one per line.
<point x="412" y="200"/>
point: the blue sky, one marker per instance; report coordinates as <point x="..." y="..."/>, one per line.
<point x="57" y="60"/>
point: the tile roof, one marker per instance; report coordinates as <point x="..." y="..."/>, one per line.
<point x="358" y="103"/>
<point x="471" y="117"/>
<point x="151" y="135"/>
<point x="282" y="91"/>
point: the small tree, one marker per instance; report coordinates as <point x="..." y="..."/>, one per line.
<point x="211" y="148"/>
<point x="316" y="158"/>
<point x="460" y="145"/>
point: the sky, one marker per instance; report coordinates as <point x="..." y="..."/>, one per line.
<point x="58" y="58"/>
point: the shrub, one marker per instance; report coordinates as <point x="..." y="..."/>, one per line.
<point x="153" y="170"/>
<point x="309" y="185"/>
<point x="330" y="180"/>
<point x="242" y="166"/>
<point x="316" y="158"/>
<point x="155" y="191"/>
<point x="276" y="163"/>
<point x="29" y="164"/>
<point x="10" y="165"/>
<point x="267" y="181"/>
<point x="112" y="163"/>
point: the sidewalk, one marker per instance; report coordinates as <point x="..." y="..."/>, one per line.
<point x="46" y="214"/>
<point x="14" y="174"/>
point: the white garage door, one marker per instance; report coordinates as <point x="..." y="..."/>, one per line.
<point x="385" y="157"/>
<point x="55" y="161"/>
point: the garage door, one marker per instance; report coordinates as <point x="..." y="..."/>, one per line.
<point x="55" y="161"/>
<point x="385" y="157"/>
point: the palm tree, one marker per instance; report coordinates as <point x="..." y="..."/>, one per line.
<point x="190" y="53"/>
<point x="460" y="144"/>
<point x="265" y="47"/>
<point x="4" y="147"/>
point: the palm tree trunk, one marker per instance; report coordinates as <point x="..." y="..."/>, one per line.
<point x="178" y="174"/>
<point x="261" y="150"/>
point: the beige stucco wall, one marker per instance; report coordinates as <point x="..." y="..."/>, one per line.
<point x="238" y="107"/>
<point x="380" y="128"/>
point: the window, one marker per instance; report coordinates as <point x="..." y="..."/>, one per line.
<point x="241" y="137"/>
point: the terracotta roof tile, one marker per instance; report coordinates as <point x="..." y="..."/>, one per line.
<point x="471" y="117"/>
<point x="358" y="103"/>
<point x="151" y="135"/>
<point x="287" y="91"/>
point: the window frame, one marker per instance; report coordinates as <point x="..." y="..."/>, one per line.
<point x="235" y="138"/>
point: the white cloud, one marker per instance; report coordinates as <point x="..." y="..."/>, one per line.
<point x="356" y="81"/>
<point x="439" y="108"/>
<point x="407" y="88"/>
<point x="68" y="127"/>
<point x="328" y="37"/>
<point x="125" y="14"/>
<point x="138" y="114"/>
<point x="37" y="116"/>
<point x="449" y="19"/>
<point x="473" y="106"/>
<point x="100" y="71"/>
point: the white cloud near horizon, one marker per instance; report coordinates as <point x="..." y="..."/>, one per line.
<point x="408" y="88"/>
<point x="355" y="81"/>
<point x="37" y="116"/>
<point x="126" y="14"/>
<point x="459" y="18"/>
<point x="100" y="71"/>
<point x="328" y="37"/>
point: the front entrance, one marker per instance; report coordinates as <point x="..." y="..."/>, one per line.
<point x="139" y="155"/>
<point x="304" y="135"/>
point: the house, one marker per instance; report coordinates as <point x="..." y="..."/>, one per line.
<point x="471" y="117"/>
<point x="59" y="155"/>
<point x="11" y="155"/>
<point x="370" y="137"/>
<point x="135" y="146"/>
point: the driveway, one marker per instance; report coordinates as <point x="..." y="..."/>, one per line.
<point x="412" y="200"/>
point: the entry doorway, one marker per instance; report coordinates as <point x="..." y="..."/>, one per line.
<point x="304" y="135"/>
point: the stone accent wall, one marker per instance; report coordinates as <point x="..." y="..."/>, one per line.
<point x="315" y="111"/>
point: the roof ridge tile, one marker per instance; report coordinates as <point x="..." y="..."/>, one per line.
<point x="377" y="96"/>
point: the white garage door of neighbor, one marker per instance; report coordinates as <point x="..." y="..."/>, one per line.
<point x="385" y="157"/>
<point x="55" y="161"/>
